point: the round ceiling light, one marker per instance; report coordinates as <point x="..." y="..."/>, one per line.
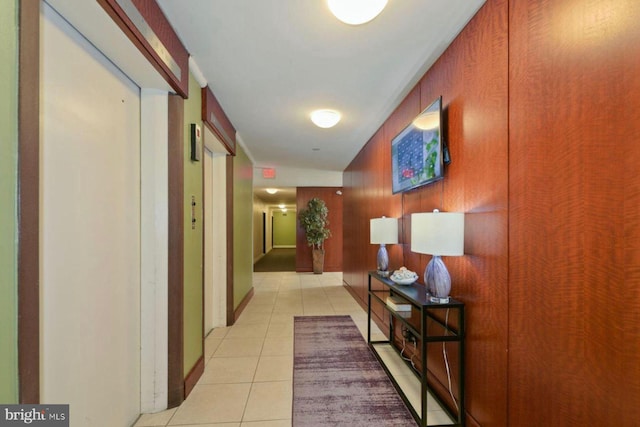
<point x="272" y="190"/>
<point x="356" y="12"/>
<point x="325" y="118"/>
<point x="427" y="121"/>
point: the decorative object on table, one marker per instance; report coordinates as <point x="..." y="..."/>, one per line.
<point x="313" y="220"/>
<point x="396" y="303"/>
<point x="404" y="276"/>
<point x="383" y="231"/>
<point x="438" y="234"/>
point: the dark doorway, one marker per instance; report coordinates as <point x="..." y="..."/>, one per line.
<point x="264" y="232"/>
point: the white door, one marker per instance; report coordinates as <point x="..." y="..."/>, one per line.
<point x="90" y="230"/>
<point x="215" y="226"/>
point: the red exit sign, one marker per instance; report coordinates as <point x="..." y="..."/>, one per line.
<point x="268" y="173"/>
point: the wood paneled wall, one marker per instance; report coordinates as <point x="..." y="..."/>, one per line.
<point x="574" y="259"/>
<point x="542" y="108"/>
<point x="472" y="78"/>
<point x="29" y="204"/>
<point x="333" y="245"/>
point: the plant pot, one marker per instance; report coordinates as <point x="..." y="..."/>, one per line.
<point x="318" y="261"/>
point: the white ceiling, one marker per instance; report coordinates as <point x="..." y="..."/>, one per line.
<point x="271" y="62"/>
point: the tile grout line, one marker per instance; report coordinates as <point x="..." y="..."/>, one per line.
<point x="255" y="373"/>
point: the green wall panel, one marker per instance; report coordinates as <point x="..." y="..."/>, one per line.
<point x="193" y="238"/>
<point x="8" y="200"/>
<point x="284" y="228"/>
<point x="242" y="226"/>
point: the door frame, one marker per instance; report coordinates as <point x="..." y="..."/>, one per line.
<point x="219" y="289"/>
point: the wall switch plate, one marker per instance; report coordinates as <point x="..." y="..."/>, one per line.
<point x="196" y="142"/>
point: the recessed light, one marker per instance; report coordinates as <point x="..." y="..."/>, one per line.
<point x="325" y="118"/>
<point x="356" y="12"/>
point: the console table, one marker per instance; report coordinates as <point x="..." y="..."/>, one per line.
<point x="426" y="324"/>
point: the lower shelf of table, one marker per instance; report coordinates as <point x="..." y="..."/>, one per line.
<point x="410" y="385"/>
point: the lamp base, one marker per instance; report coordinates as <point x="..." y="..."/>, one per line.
<point x="383" y="261"/>
<point x="385" y="273"/>
<point x="437" y="280"/>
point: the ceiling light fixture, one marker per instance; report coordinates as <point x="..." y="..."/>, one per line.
<point x="356" y="12"/>
<point x="272" y="190"/>
<point x="427" y="121"/>
<point x="325" y="118"/>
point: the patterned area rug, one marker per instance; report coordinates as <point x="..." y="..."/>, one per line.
<point x="337" y="381"/>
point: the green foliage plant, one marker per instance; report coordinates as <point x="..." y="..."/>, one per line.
<point x="314" y="220"/>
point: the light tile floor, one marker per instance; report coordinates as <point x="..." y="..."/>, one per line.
<point x="247" y="381"/>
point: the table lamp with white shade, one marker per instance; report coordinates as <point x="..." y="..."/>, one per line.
<point x="438" y="234"/>
<point x="383" y="231"/>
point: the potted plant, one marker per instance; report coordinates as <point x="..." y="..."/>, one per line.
<point x="314" y="221"/>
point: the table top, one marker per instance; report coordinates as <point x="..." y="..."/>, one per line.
<point x="416" y="293"/>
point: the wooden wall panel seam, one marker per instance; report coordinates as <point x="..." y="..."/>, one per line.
<point x="230" y="244"/>
<point x="175" y="325"/>
<point x="29" y="203"/>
